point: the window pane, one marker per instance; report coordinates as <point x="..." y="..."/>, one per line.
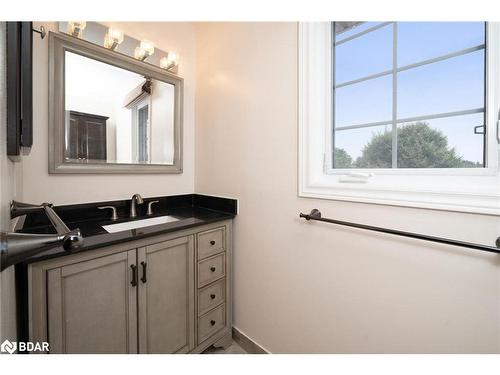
<point x="450" y="85"/>
<point x="418" y="41"/>
<point x="441" y="143"/>
<point x="368" y="101"/>
<point x="369" y="54"/>
<point x="353" y="30"/>
<point x="369" y="147"/>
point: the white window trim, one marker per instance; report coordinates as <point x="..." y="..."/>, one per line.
<point x="461" y="189"/>
<point x="146" y="101"/>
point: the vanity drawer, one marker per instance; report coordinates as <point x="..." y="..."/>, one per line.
<point x="211" y="323"/>
<point x="211" y="269"/>
<point x="211" y="296"/>
<point x="211" y="242"/>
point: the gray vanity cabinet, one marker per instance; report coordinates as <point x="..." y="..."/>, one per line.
<point x="164" y="294"/>
<point x="92" y="306"/>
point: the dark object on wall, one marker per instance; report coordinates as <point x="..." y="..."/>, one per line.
<point x="19" y="88"/>
<point x="86" y="137"/>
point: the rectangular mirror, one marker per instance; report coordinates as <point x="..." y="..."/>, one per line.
<point x="110" y="113"/>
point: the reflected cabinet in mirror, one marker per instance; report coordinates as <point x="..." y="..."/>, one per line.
<point x="110" y="113"/>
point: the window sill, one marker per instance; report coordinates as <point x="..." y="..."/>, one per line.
<point x="478" y="194"/>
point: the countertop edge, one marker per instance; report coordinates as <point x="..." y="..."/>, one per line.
<point x="62" y="253"/>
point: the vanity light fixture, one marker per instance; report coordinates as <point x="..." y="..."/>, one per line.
<point x="170" y="61"/>
<point x="113" y="38"/>
<point x="145" y="50"/>
<point x="75" y="28"/>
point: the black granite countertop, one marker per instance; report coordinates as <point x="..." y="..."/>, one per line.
<point x="191" y="209"/>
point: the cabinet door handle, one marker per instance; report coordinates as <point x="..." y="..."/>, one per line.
<point x="212" y="242"/>
<point x="143" y="278"/>
<point x="212" y="296"/>
<point x="212" y="322"/>
<point x="134" y="275"/>
<point x="212" y="269"/>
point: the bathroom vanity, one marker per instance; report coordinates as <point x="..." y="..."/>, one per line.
<point x="130" y="276"/>
<point x="163" y="288"/>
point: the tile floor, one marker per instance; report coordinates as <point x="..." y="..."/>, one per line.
<point x="233" y="349"/>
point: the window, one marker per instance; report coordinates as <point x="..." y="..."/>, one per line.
<point x="140" y="112"/>
<point x="400" y="113"/>
<point x="142" y="129"/>
<point x="408" y="95"/>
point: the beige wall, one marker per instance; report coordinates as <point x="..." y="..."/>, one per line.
<point x="39" y="186"/>
<point x="7" y="192"/>
<point x="313" y="287"/>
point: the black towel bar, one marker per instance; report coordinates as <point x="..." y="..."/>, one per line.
<point x="316" y="215"/>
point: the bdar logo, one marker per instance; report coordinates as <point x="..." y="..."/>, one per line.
<point x="8" y="347"/>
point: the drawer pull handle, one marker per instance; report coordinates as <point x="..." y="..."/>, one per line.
<point x="212" y="269"/>
<point x="134" y="275"/>
<point x="212" y="322"/>
<point x="143" y="278"/>
<point x="212" y="296"/>
<point x="212" y="242"/>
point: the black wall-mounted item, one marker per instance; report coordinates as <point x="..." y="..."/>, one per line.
<point x="19" y="88"/>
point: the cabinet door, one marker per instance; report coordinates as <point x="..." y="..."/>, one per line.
<point x="166" y="296"/>
<point x="92" y="306"/>
<point x="95" y="139"/>
<point x="86" y="136"/>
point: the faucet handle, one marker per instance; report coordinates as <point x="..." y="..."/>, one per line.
<point x="114" y="215"/>
<point x="150" y="209"/>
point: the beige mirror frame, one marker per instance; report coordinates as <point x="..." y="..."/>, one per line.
<point x="58" y="45"/>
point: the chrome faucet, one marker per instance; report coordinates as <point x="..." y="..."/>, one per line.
<point x="136" y="199"/>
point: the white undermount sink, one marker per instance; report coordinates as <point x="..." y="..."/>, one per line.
<point x="120" y="227"/>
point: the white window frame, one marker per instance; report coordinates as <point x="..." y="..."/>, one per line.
<point x="146" y="101"/>
<point x="475" y="190"/>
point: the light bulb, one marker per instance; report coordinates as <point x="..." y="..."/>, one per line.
<point x="76" y="28"/>
<point x="113" y="38"/>
<point x="145" y="50"/>
<point x="148" y="47"/>
<point x="140" y="54"/>
<point x="169" y="61"/>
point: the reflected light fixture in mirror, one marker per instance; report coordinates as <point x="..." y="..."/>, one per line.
<point x="145" y="50"/>
<point x="113" y="38"/>
<point x="75" y="28"/>
<point x="170" y="61"/>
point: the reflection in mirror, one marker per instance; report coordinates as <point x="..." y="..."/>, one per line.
<point x="113" y="115"/>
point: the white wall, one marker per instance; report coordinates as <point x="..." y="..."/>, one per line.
<point x="7" y="193"/>
<point x="39" y="186"/>
<point x="311" y="287"/>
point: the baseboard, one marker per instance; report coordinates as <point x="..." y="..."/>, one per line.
<point x="250" y="346"/>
